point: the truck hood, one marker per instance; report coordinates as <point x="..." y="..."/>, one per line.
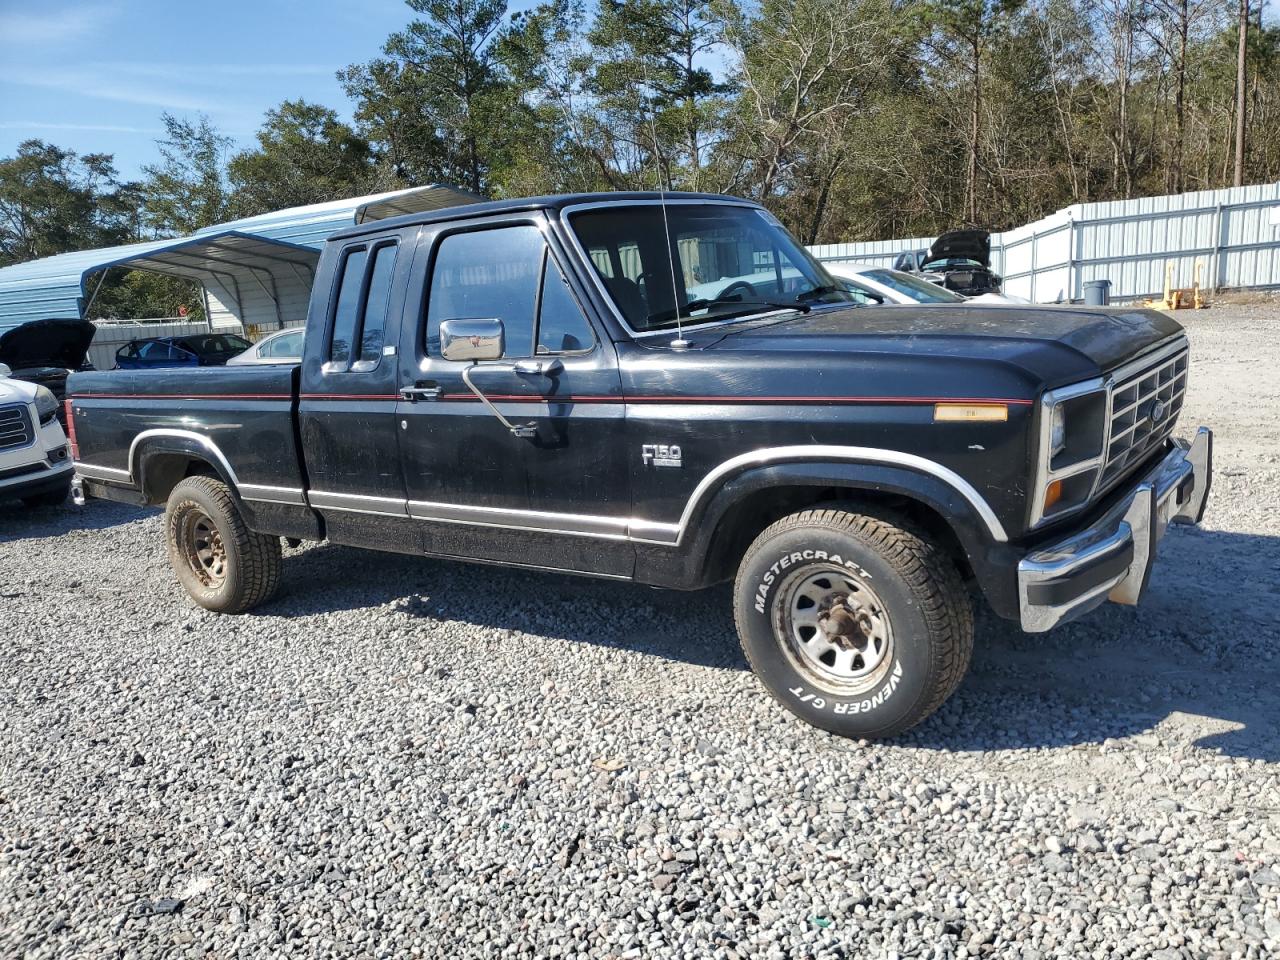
<point x="47" y="343"/>
<point x="962" y="244"/>
<point x="1098" y="339"/>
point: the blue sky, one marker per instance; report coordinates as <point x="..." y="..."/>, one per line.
<point x="95" y="75"/>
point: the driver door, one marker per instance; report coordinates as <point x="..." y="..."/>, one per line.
<point x="555" y="492"/>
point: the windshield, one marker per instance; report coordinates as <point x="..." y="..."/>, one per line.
<point x="921" y="291"/>
<point x="726" y="261"/>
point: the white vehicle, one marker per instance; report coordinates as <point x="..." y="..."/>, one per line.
<point x="35" y="461"/>
<point x="283" y="346"/>
<point x="895" y="286"/>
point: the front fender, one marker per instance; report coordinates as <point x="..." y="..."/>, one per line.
<point x="965" y="519"/>
<point x="979" y="534"/>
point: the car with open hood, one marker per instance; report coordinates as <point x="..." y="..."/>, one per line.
<point x="885" y="285"/>
<point x="36" y="463"/>
<point x="959" y="260"/>
<point x="46" y="352"/>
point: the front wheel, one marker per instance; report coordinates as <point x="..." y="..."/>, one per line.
<point x="855" y="623"/>
<point x="222" y="564"/>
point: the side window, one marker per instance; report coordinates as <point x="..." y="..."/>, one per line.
<point x="487" y="274"/>
<point x="561" y="326"/>
<point x="289" y="345"/>
<point x="155" y="350"/>
<point x="360" y="316"/>
<point x="374" y="324"/>
<point x="346" y="312"/>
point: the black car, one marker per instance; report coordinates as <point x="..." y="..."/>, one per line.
<point x="959" y="260"/>
<point x="47" y="352"/>
<point x="196" y="350"/>
<point x="670" y="390"/>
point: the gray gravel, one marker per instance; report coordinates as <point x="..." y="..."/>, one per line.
<point x="400" y="757"/>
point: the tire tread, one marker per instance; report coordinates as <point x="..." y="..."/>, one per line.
<point x="931" y="576"/>
<point x="258" y="554"/>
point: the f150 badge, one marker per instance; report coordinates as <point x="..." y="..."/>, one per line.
<point x="661" y="455"/>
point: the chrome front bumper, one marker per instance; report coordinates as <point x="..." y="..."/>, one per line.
<point x="1112" y="558"/>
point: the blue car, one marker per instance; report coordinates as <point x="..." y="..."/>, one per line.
<point x="196" y="350"/>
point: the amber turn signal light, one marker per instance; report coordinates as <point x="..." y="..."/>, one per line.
<point x="970" y="412"/>
<point x="1052" y="494"/>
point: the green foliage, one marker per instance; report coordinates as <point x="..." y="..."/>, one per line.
<point x="188" y="188"/>
<point x="435" y="96"/>
<point x="53" y="201"/>
<point x="305" y="154"/>
<point x="136" y="294"/>
<point x="851" y="119"/>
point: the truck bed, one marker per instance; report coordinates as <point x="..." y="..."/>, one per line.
<point x="244" y="417"/>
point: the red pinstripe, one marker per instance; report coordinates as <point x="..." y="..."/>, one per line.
<point x="568" y="398"/>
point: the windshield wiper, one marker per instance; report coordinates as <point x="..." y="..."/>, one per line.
<point x="660" y="316"/>
<point x="819" y="291"/>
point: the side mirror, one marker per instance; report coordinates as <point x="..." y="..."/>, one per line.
<point x="472" y="339"/>
<point x="5" y="371"/>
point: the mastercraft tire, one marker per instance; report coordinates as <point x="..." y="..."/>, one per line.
<point x="855" y="623"/>
<point x="219" y="561"/>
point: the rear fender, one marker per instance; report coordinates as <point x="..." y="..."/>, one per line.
<point x="151" y="456"/>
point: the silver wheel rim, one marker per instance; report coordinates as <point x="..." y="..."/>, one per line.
<point x="834" y="628"/>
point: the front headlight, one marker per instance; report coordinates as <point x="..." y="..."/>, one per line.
<point x="1058" y="430"/>
<point x="46" y="404"/>
<point x="1070" y="450"/>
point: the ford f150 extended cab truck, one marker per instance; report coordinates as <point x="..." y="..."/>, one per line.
<point x="533" y="383"/>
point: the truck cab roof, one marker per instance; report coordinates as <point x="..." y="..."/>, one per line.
<point x="550" y="202"/>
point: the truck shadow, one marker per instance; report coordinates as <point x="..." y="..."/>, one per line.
<point x="1198" y="662"/>
<point x="694" y="628"/>
<point x="20" y="522"/>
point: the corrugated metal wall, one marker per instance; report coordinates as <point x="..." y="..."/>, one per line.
<point x="1232" y="233"/>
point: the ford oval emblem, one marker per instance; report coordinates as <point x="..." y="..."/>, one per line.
<point x="1157" y="411"/>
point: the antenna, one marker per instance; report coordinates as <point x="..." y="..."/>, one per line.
<point x="679" y="343"/>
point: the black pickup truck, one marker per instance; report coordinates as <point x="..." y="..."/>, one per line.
<point x="670" y="390"/>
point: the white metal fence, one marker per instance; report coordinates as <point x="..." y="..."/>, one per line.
<point x="1233" y="233"/>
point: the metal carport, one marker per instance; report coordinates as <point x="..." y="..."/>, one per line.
<point x="255" y="272"/>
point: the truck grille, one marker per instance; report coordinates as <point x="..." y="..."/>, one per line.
<point x="15" y="427"/>
<point x="1144" y="409"/>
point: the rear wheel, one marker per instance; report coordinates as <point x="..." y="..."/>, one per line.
<point x="219" y="561"/>
<point x="856" y="623"/>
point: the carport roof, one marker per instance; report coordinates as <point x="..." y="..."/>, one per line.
<point x="266" y="252"/>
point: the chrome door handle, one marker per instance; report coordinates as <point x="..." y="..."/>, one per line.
<point x="533" y="368"/>
<point x="420" y="392"/>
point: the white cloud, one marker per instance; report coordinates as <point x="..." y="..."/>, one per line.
<point x="184" y="70"/>
<point x="89" y="127"/>
<point x="105" y="85"/>
<point x="50" y="27"/>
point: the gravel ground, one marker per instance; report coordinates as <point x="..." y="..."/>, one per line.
<point x="401" y="757"/>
